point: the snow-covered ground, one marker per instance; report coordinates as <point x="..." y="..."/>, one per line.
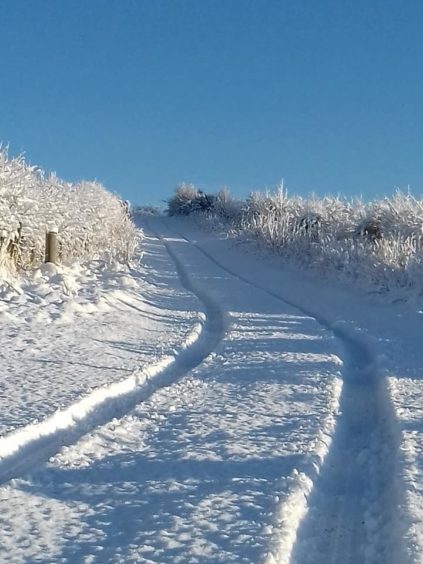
<point x="207" y="405"/>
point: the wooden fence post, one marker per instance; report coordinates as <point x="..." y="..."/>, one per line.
<point x="52" y="249"/>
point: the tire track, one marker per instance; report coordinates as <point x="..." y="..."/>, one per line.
<point x="351" y="510"/>
<point x="34" y="444"/>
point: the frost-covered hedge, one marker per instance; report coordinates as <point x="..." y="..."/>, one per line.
<point x="92" y="222"/>
<point x="378" y="243"/>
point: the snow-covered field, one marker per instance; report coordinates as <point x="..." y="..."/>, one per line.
<point x="207" y="404"/>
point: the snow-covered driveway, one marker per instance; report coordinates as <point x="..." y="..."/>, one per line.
<point x="218" y="454"/>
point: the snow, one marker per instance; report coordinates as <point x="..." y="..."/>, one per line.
<point x="207" y="404"/>
<point x="59" y="324"/>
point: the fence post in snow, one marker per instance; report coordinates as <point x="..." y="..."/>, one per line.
<point x="52" y="249"/>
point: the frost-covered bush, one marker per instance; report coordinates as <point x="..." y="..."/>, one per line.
<point x="189" y="199"/>
<point x="378" y="243"/>
<point x="91" y="222"/>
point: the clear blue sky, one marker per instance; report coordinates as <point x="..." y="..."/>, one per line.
<point x="144" y="94"/>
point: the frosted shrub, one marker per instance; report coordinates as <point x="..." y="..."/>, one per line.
<point x="188" y="200"/>
<point x="181" y="203"/>
<point x="378" y="243"/>
<point x="92" y="222"/>
<point x="225" y="207"/>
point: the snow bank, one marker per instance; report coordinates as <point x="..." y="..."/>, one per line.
<point x="92" y="223"/>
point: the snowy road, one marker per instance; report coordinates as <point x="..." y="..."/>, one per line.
<point x="230" y="449"/>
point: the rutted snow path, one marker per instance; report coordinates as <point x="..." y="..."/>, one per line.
<point x="222" y="464"/>
<point x="353" y="507"/>
<point x="353" y="504"/>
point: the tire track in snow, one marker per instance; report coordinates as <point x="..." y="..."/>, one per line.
<point x="344" y="509"/>
<point x="33" y="444"/>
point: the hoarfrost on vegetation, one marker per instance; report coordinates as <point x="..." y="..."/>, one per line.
<point x="379" y="243"/>
<point x="92" y="222"/>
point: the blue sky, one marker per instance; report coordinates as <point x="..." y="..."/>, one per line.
<point x="145" y="94"/>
